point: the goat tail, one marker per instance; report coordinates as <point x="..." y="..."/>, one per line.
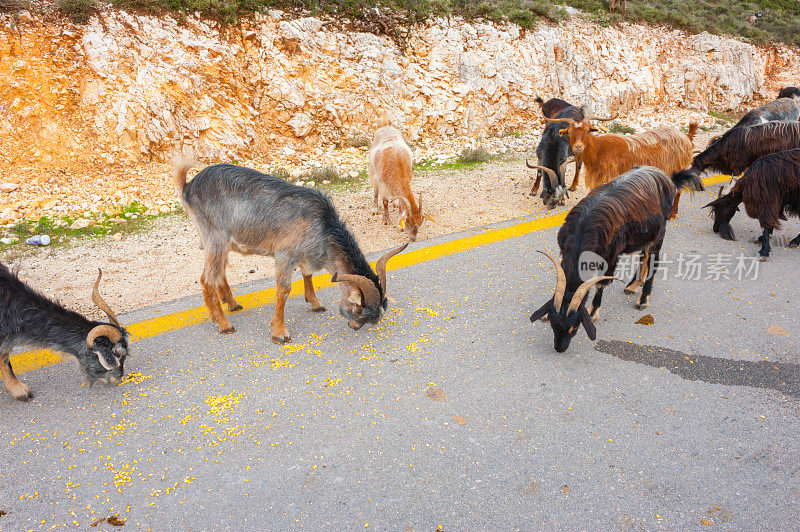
<point x="688" y="179"/>
<point x="692" y="131"/>
<point x="384" y="120"/>
<point x="180" y="168"/>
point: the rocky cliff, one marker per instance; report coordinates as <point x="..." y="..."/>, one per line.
<point x="129" y="87"/>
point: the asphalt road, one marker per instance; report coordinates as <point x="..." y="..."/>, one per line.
<point x="455" y="411"/>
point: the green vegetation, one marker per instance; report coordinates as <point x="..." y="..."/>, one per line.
<point x="356" y="142"/>
<point x="125" y="219"/>
<point x="780" y="21"/>
<point x="280" y="173"/>
<point x="723" y="120"/>
<point x="469" y="157"/>
<point x="327" y="173"/>
<point x="473" y="155"/>
<point x="78" y="11"/>
<point x="621" y="129"/>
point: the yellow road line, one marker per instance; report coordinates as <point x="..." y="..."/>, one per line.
<point x="31" y="360"/>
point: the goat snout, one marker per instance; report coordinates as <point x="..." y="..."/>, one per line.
<point x="355" y="325"/>
<point x="577" y="149"/>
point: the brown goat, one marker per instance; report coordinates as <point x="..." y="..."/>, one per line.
<point x="608" y="156"/>
<point x="613" y="5"/>
<point x="390" y="162"/>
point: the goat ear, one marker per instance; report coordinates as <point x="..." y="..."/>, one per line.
<point x="355" y="297"/>
<point x="593" y="129"/>
<point x="722" y="200"/>
<point x="429" y="217"/>
<point x="402" y="222"/>
<point x="591" y="331"/>
<point x="726" y="232"/>
<point x="563" y="132"/>
<point x="541" y="312"/>
<point x="108" y="364"/>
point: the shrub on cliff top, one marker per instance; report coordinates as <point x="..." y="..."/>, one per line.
<point x="780" y="22"/>
<point x="78" y="11"/>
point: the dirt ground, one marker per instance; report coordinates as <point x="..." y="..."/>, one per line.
<point x="164" y="262"/>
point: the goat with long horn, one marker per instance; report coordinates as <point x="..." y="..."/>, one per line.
<point x="29" y="319"/>
<point x="627" y="215"/>
<point x="240" y="209"/>
<point x="554" y="152"/>
<point x="607" y="156"/>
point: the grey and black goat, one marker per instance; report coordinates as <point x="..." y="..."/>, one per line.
<point x="28" y="319"/>
<point x="240" y="209"/>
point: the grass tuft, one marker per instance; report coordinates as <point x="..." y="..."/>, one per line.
<point x="110" y="220"/>
<point x="280" y="173"/>
<point x="621" y="129"/>
<point x="473" y="155"/>
<point x="78" y="11"/>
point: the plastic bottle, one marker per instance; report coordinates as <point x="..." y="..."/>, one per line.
<point x="38" y="240"/>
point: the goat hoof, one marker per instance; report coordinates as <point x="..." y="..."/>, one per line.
<point x="763" y="258"/>
<point x="281" y="339"/>
<point x="234" y="307"/>
<point x="641" y="306"/>
<point x="629" y="290"/>
<point x="227" y="330"/>
<point x="318" y="309"/>
<point x="21" y="392"/>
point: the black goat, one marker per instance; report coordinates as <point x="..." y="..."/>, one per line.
<point x="553" y="106"/>
<point x="626" y="215"/>
<point x="740" y="147"/>
<point x="769" y="189"/>
<point x="780" y="109"/>
<point x="789" y="92"/>
<point x="30" y="320"/>
<point x="240" y="209"/>
<point x="554" y="152"/>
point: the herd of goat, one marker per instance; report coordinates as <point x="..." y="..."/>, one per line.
<point x="634" y="182"/>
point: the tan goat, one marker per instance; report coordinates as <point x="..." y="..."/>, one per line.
<point x="390" y="162"/>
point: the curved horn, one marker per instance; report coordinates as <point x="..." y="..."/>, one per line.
<point x="561" y="282"/>
<point x="372" y="297"/>
<point x="98" y="300"/>
<point x="110" y="332"/>
<point x="409" y="211"/>
<point x="721" y="188"/>
<point x="569" y="121"/>
<point x="380" y="266"/>
<point x="580" y="293"/>
<point x="550" y="173"/>
<point x="562" y="169"/>
<point x="598" y="119"/>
